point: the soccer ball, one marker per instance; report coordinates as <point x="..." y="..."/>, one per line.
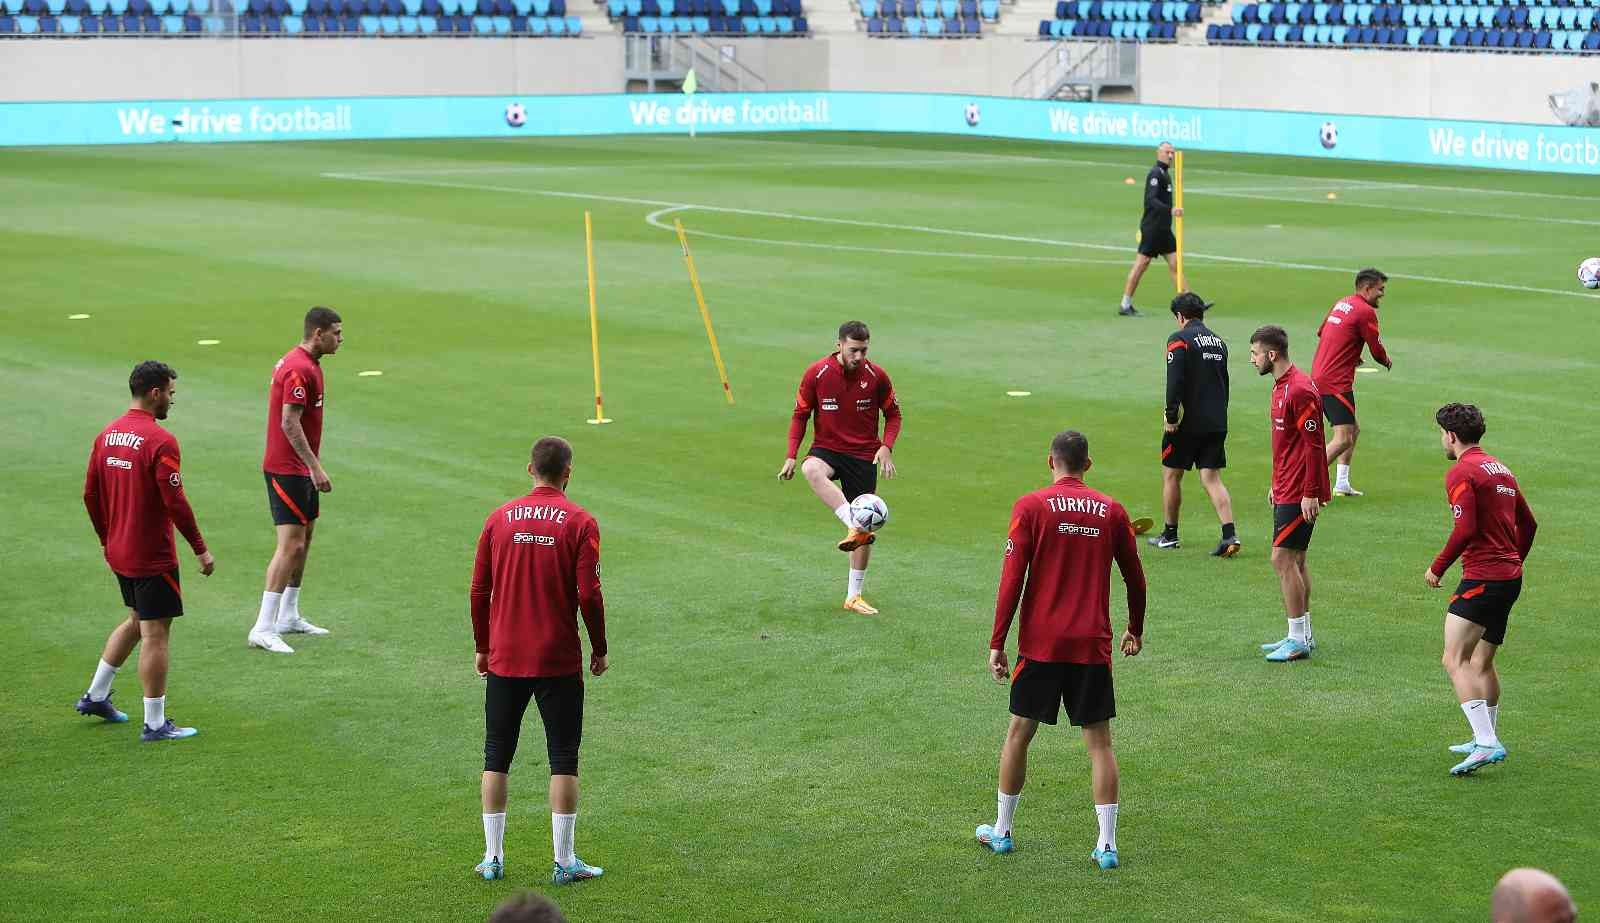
<point x="1589" y="272"/>
<point x="972" y="115"/>
<point x="869" y="512"/>
<point x="516" y="116"/>
<point x="1328" y="135"/>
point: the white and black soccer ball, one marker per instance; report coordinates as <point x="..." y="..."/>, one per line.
<point x="1328" y="134"/>
<point x="516" y="115"/>
<point x="1589" y="272"/>
<point x="973" y="115"/>
<point x="868" y="512"/>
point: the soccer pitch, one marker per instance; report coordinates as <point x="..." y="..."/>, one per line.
<point x="755" y="753"/>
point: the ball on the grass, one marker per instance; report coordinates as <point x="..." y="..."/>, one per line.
<point x="1589" y="272"/>
<point x="869" y="512"/>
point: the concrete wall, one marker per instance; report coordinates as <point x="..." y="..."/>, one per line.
<point x="1492" y="87"/>
<point x="1440" y="85"/>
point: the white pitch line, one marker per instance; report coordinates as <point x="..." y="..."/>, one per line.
<point x="652" y="219"/>
<point x="926" y="229"/>
<point x="1493" y="216"/>
<point x="660" y="165"/>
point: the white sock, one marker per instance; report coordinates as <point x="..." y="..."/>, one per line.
<point x="155" y="712"/>
<point x="267" y="618"/>
<point x="1298" y="629"/>
<point x="858" y="580"/>
<point x="1108" y="825"/>
<point x="843" y="512"/>
<point x="1127" y="301"/>
<point x="1002" y="819"/>
<point x="100" y="687"/>
<point x="1309" y="633"/>
<point x="289" y="606"/>
<point x="494" y="836"/>
<point x="1342" y="475"/>
<point x="1494" y="720"/>
<point x="1477" y="712"/>
<point x="561" y="831"/>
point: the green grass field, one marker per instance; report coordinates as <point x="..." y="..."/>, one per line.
<point x="755" y="753"/>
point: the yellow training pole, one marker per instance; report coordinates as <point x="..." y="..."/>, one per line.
<point x="594" y="321"/>
<point x="705" y="315"/>
<point x="1177" y="224"/>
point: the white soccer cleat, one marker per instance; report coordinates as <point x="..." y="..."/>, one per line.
<point x="1347" y="491"/>
<point x="299" y="626"/>
<point x="269" y="641"/>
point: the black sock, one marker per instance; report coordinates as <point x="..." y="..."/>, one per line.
<point x="1171" y="530"/>
<point x="1227" y="530"/>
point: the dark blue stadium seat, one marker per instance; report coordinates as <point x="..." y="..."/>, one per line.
<point x="969" y="9"/>
<point x="1295" y="33"/>
<point x="1430" y="36"/>
<point x="894" y="24"/>
<point x="1592" y="42"/>
<point x="1524" y="38"/>
<point x="874" y="26"/>
<point x="969" y="26"/>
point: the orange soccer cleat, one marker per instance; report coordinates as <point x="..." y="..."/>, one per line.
<point x="856" y="539"/>
<point x="858" y="605"/>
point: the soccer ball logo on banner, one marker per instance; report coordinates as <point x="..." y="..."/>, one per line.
<point x="1328" y="135"/>
<point x="516" y="115"/>
<point x="972" y="115"/>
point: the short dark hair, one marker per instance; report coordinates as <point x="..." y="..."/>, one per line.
<point x="551" y="457"/>
<point x="1464" y="420"/>
<point x="321" y="318"/>
<point x="1272" y="337"/>
<point x="1368" y="277"/>
<point x="854" y="330"/>
<point x="1071" y="449"/>
<point x="527" y="908"/>
<point x="149" y="374"/>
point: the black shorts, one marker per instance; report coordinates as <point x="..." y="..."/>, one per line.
<point x="154" y="597"/>
<point x="560" y="701"/>
<point x="1183" y="450"/>
<point x="1340" y="409"/>
<point x="1487" y="603"/>
<point x="1038" y="690"/>
<point x="1154" y="242"/>
<point x="1289" y="527"/>
<point x="293" y="499"/>
<point x="855" y="477"/>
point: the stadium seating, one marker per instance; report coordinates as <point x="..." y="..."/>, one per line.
<point x="276" y="18"/>
<point x="781" y="18"/>
<point x="930" y="18"/>
<point x="1561" y="26"/>
<point x="1129" y="20"/>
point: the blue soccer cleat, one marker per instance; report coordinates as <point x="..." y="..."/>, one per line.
<point x="491" y="869"/>
<point x="1477" y="759"/>
<point x="1105" y="858"/>
<point x="579" y="870"/>
<point x="1288" y="650"/>
<point x="1471" y="745"/>
<point x="1000" y="844"/>
<point x="167" y="731"/>
<point x="101" y="709"/>
<point x="1311" y="644"/>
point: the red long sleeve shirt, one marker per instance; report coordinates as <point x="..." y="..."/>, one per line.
<point x="1351" y="324"/>
<point x="296" y="379"/>
<point x="1058" y="562"/>
<point x="134" y="494"/>
<point x="1494" y="527"/>
<point x="538" y="564"/>
<point x="1299" y="457"/>
<point x="847" y="406"/>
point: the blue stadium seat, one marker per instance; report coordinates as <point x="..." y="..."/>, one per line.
<point x="989" y="10"/>
<point x="913" y="26"/>
<point x="8" y="23"/>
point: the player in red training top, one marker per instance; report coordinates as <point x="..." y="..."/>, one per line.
<point x="538" y="565"/>
<point x="1493" y="534"/>
<point x="847" y="394"/>
<point x="1350" y="324"/>
<point x="134" y="494"/>
<point x="295" y="479"/>
<point x="1058" y="563"/>
<point x="1299" y="484"/>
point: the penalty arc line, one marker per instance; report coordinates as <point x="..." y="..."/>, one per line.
<point x="926" y="229"/>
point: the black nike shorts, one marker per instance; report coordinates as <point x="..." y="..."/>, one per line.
<point x="1154" y="242"/>
<point x="1340" y="409"/>
<point x="560" y="701"/>
<point x="855" y="477"/>
<point x="292" y="498"/>
<point x="1183" y="450"/>
<point x="1289" y="527"/>
<point x="155" y="597"/>
<point x="1487" y="603"/>
<point x="1039" y="689"/>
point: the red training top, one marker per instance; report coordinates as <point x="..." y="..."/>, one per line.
<point x="1351" y="323"/>
<point x="1494" y="526"/>
<point x="1063" y="539"/>
<point x="134" y="494"/>
<point x="538" y="563"/>
<point x="846" y="405"/>
<point x="1299" y="458"/>
<point x="296" y="379"/>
